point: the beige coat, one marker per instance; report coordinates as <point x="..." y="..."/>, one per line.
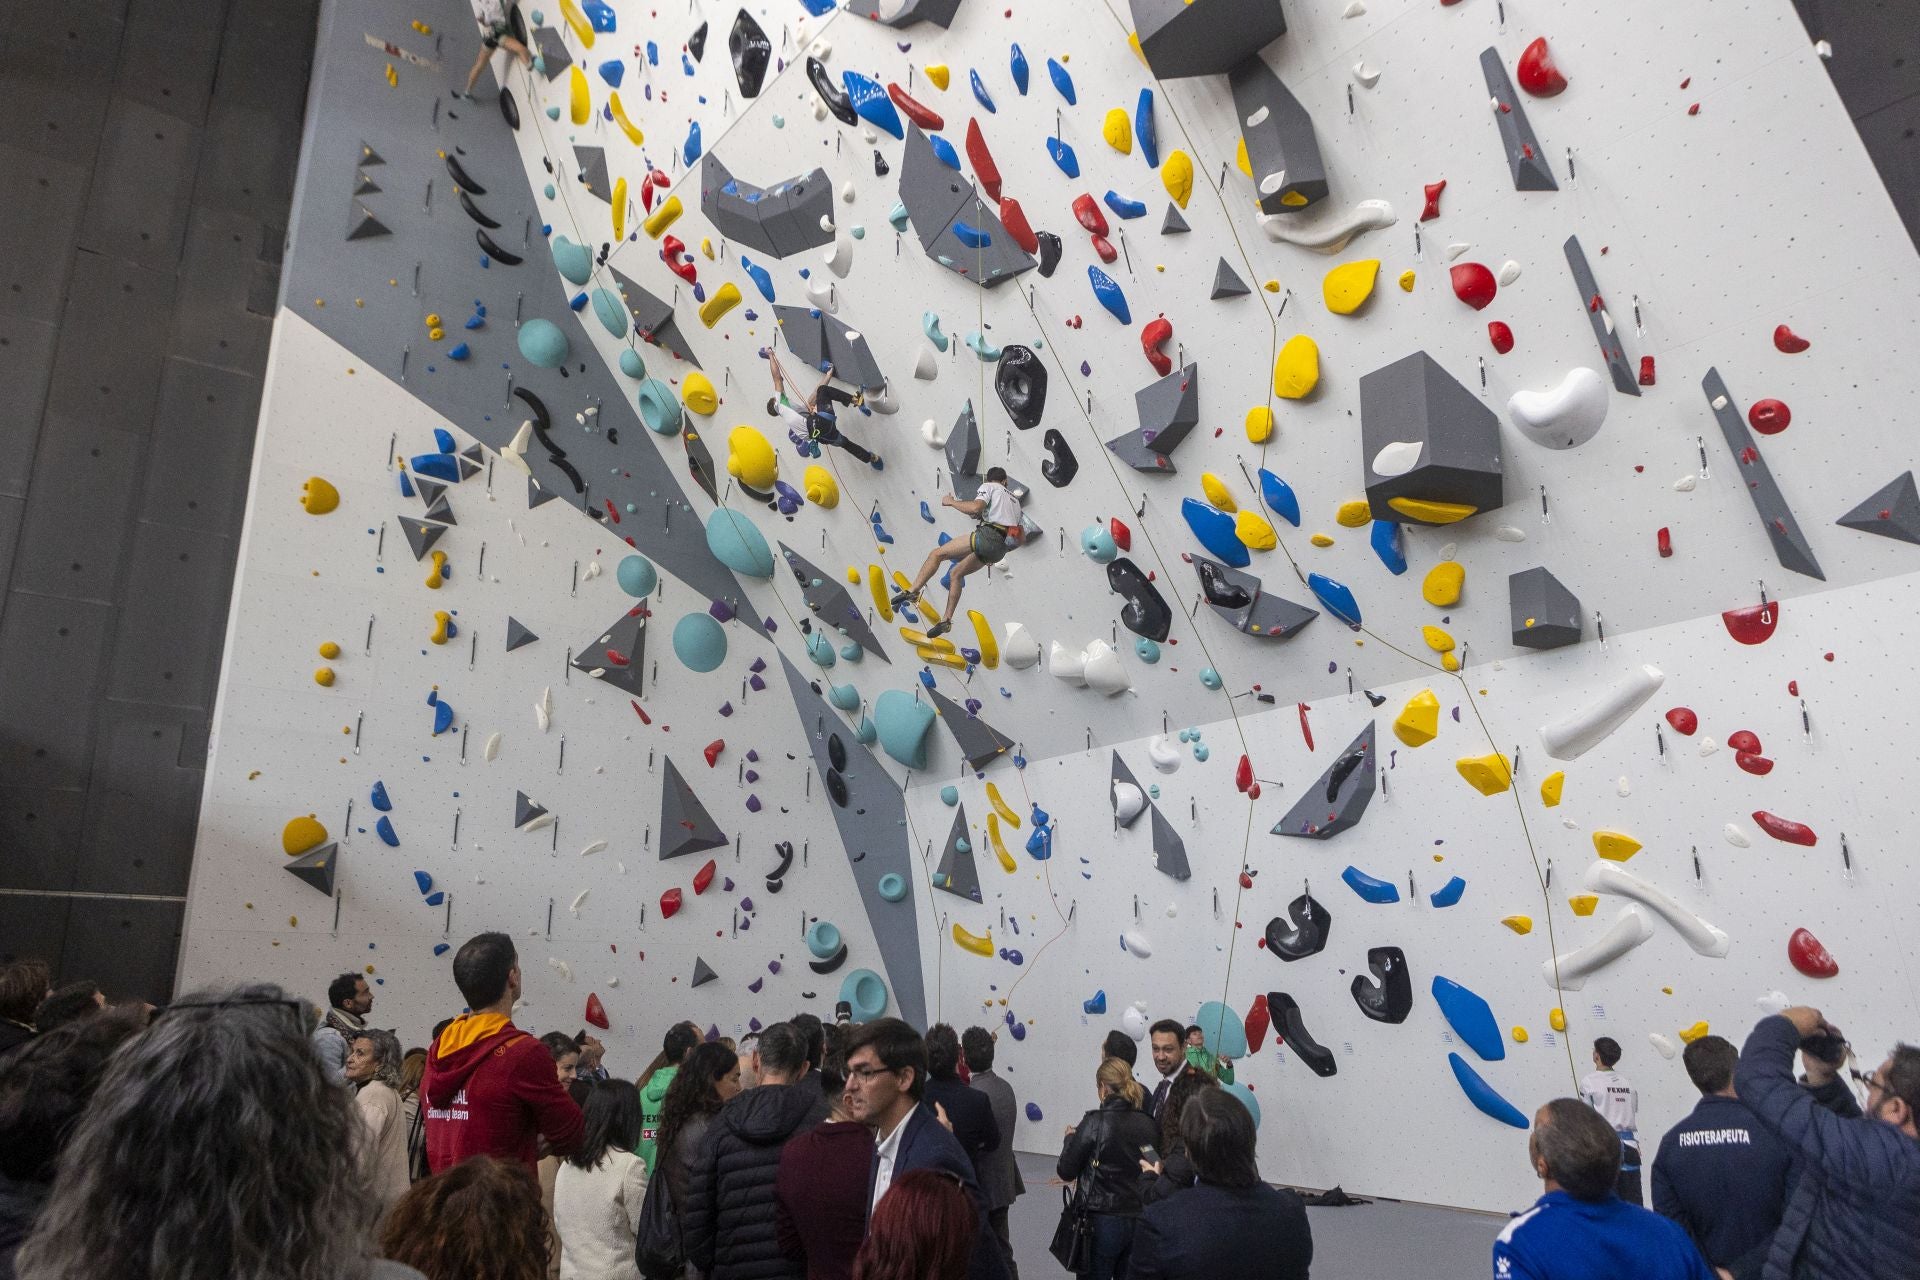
<point x="383" y="1137"/>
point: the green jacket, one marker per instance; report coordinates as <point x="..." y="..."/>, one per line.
<point x="652" y="1100"/>
<point x="1204" y="1060"/>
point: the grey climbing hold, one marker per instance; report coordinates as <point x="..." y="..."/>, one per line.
<point x="685" y="825"/>
<point x="702" y="972"/>
<point x="536" y="496"/>
<point x="1338" y="798"/>
<point x="936" y="198"/>
<point x="956" y="872"/>
<point x="1169" y="850"/>
<point x="1247" y="605"/>
<point x="1789" y="544"/>
<point x="1288" y="172"/>
<point x="979" y="741"/>
<point x="591" y="164"/>
<point x="1542" y="613"/>
<point x="1167" y="409"/>
<point x="362" y="225"/>
<point x="518" y="634"/>
<point x="1892" y="512"/>
<point x="363" y="183"/>
<point x="439" y="510"/>
<point x="421" y="535"/>
<point x="831" y="603"/>
<point x="618" y="653"/>
<point x="1175" y="222"/>
<point x="317" y="869"/>
<point x="1605" y="332"/>
<point x="1415" y="401"/>
<point x="1524" y="156"/>
<point x="525" y="810"/>
<point x="1203" y="37"/>
<point x="821" y="338"/>
<point x="963" y="453"/>
<point x="1227" y="282"/>
<point x="781" y="220"/>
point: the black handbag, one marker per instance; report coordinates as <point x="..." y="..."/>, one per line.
<point x="657" y="1249"/>
<point x="1072" y="1244"/>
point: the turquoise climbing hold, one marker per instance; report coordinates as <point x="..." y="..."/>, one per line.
<point x="823" y="939"/>
<point x="844" y="697"/>
<point x="891" y="887"/>
<point x="737" y="543"/>
<point x="1215" y="530"/>
<point x="631" y="364"/>
<point x="1098" y="545"/>
<point x="866" y="991"/>
<point x="1483" y="1095"/>
<point x="898" y="217"/>
<point x="1470" y="1017"/>
<point x="543" y="343"/>
<point x="574" y="261"/>
<point x="1279" y="497"/>
<point x="659" y="407"/>
<point x="700" y="642"/>
<point x="930" y="325"/>
<point x="1201" y="751"/>
<point x="866" y="731"/>
<point x="820" y="649"/>
<point x="1226" y="1033"/>
<point x="550" y="191"/>
<point x="903" y="722"/>
<point x="851" y="651"/>
<point x="637" y="576"/>
<point x="1146" y="650"/>
<point x="610" y="312"/>
<point x="1379" y="892"/>
<point x="1246" y="1099"/>
<point x="949" y="795"/>
<point x="1210" y="678"/>
<point x="977" y="342"/>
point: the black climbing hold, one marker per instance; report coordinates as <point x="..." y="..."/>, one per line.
<point x="751" y="51"/>
<point x="1219" y="590"/>
<point x="460" y="176"/>
<point x="836" y="752"/>
<point x="1060" y="469"/>
<point x="697" y="42"/>
<point x="832" y="962"/>
<point x="837" y="787"/>
<point x="1308" y="935"/>
<point x="1391" y="998"/>
<point x="839" y="106"/>
<point x="1294" y="1034"/>
<point x="1375" y="698"/>
<point x="542" y="422"/>
<point x="785" y="850"/>
<point x="509" y="109"/>
<point x="494" y="251"/>
<point x="880" y="166"/>
<point x="1021" y="383"/>
<point x="1146" y="612"/>
<point x="475" y="212"/>
<point x="1050" y="248"/>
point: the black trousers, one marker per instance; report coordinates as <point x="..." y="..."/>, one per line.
<point x="823" y="426"/>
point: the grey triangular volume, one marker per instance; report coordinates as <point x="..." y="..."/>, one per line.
<point x="428" y="489"/>
<point x="364" y="185"/>
<point x="536" y="496"/>
<point x="831" y="603"/>
<point x="369" y="157"/>
<point x="519" y="635"/>
<point x="1227" y="282"/>
<point x="1790" y="545"/>
<point x="1174" y="223"/>
<point x="1118" y="773"/>
<point x="317" y="868"/>
<point x="1338" y="797"/>
<point x="525" y="810"/>
<point x="421" y="535"/>
<point x="1892" y="512"/>
<point x="362" y="225"/>
<point x="702" y="972"/>
<point x="474" y="453"/>
<point x="957" y="872"/>
<point x="979" y="741"/>
<point x="618" y="655"/>
<point x="439" y="511"/>
<point x="685" y="825"/>
<point x="1169" y="850"/>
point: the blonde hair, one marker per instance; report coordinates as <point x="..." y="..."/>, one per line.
<point x="1116" y="1076"/>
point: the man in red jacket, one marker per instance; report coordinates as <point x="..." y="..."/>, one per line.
<point x="490" y="1087"/>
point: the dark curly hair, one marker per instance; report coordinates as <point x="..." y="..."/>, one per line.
<point x="693" y="1092"/>
<point x="1189" y="1081"/>
<point x="480" y="1220"/>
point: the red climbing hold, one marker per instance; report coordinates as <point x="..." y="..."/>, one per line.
<point x="918" y="112"/>
<point x="1694" y="110"/>
<point x="1246" y="879"/>
<point x="640" y="711"/>
<point x="670" y="903"/>
<point x="713" y="750"/>
<point x="596" y="1014"/>
<point x="1104" y="247"/>
<point x="1683" y="720"/>
<point x="984" y="168"/>
<point x="1810" y="956"/>
<point x="1785" y="828"/>
<point x="1753" y="624"/>
<point x="1473" y="284"/>
<point x="1433" y="190"/>
<point x="1088" y="214"/>
<point x="1157" y="333"/>
<point x="1664" y="539"/>
<point x="1769" y="417"/>
<point x="1757" y="765"/>
<point x="1122" y="536"/>
<point x="1243" y="773"/>
<point x="1793" y="688"/>
<point x="1743" y="740"/>
<point x="1306" y="730"/>
<point x="1646" y="371"/>
<point x="1014" y="219"/>
<point x="1536" y="71"/>
<point x="1785" y="339"/>
<point x="674" y="253"/>
<point x="1259" y="1022"/>
<point x="1500" y="335"/>
<point x="704" y="877"/>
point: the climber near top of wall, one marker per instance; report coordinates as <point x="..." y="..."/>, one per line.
<point x="998" y="531"/>
<point x="496" y="32"/>
<point x="812" y="422"/>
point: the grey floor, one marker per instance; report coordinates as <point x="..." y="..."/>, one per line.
<point x="1385" y="1240"/>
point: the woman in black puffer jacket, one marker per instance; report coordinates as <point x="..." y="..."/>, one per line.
<point x="1103" y="1152"/>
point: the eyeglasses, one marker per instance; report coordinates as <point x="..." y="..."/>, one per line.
<point x="1867" y="1080"/>
<point x="864" y="1074"/>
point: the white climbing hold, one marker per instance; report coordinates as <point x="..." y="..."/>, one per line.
<point x="1661" y="1045"/>
<point x="1164" y="753"/>
<point x="1273" y="182"/>
<point x="1566" y="415"/>
<point x="543" y="709"/>
<point x="492" y="748"/>
<point x="516" y="449"/>
<point x="1736" y="837"/>
<point x="595" y="847"/>
<point x="1772" y="1002"/>
<point x="1719" y="402"/>
<point x="1103" y="671"/>
<point x="1686" y="483"/>
<point x="1570" y="970"/>
<point x="1510" y="533"/>
<point x="847" y="191"/>
<point x="1578" y="732"/>
<point x="1398" y="458"/>
<point x="820" y="295"/>
<point x="925" y="368"/>
<point x="1128" y="801"/>
<point x="1354" y="9"/>
<point x="593" y="570"/>
<point x="934" y="434"/>
<point x="574" y="906"/>
<point x="1018" y="648"/>
<point x="883" y="401"/>
<point x="539" y="821"/>
<point x="1509" y="272"/>
<point x="613" y="980"/>
<point x="1610" y="877"/>
<point x="1707" y="746"/>
<point x="1134" y="1022"/>
<point x="560" y="967"/>
<point x="1366" y="73"/>
<point x="1066" y="664"/>
<point x="1328" y="234"/>
<point x="1136" y="943"/>
<point x="1823" y="47"/>
<point x="1257" y="119"/>
<point x="1623" y="788"/>
<point x="839" y="258"/>
<point x="1457" y="248"/>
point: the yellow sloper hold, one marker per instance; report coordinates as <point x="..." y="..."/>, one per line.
<point x="1488" y="774"/>
<point x="1419" y="721"/>
<point x="1557" y="1019"/>
<point x="750" y="458"/>
<point x="1217" y="493"/>
<point x="697" y="393"/>
<point x="979" y="944"/>
<point x="1583" y="904"/>
<point x="1406" y="282"/>
<point x="1449" y="662"/>
<point x="935" y="658"/>
<point x="1007" y="815"/>
<point x="438" y="573"/>
<point x="582" y="29"/>
<point x="301" y="834"/>
<point x="877" y="588"/>
<point x="724" y="299"/>
<point x="1615" y="846"/>
<point x="1133" y="42"/>
<point x="920" y="640"/>
<point x="1320" y="540"/>
<point x="853" y="575"/>
<point x="323" y="676"/>
<point x="984" y="639"/>
<point x="618" y="111"/>
<point x="579" y="95"/>
<point x="1441" y="586"/>
<point x="822" y="491"/>
<point x="1240" y="159"/>
<point x="1349" y="285"/>
<point x="441" y="620"/>
<point x="927" y="612"/>
<point x="1550" y="787"/>
<point x="660" y="219"/>
<point x="939" y="74"/>
<point x="1519" y="924"/>
<point x="1437" y="640"/>
<point x="1354" y="514"/>
<point x="999" y="846"/>
<point x="1254" y="531"/>
<point x="1689" y="1034"/>
<point x="1296" y="370"/>
<point x="1176" y="175"/>
<point x="318" y="496"/>
<point x="706" y="247"/>
<point x="1259" y="424"/>
<point x="1427" y="512"/>
<point x="619" y="208"/>
<point x="329" y="650"/>
<point x="1519" y="1035"/>
<point x="1117" y="129"/>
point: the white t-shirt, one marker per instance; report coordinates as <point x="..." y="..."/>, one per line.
<point x="888" y="1149"/>
<point x="596" y="1212"/>
<point x="1609" y="1093"/>
<point x="489" y="13"/>
<point x="1003" y="508"/>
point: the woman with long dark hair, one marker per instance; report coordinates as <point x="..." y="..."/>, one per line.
<point x="1103" y="1154"/>
<point x="709" y="1075"/>
<point x="600" y="1188"/>
<point x="479" y="1220"/>
<point x="923" y="1229"/>
<point x="373" y="1070"/>
<point x="1174" y="1170"/>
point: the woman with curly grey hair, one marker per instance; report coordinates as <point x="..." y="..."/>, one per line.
<point x="214" y="1149"/>
<point x="373" y="1068"/>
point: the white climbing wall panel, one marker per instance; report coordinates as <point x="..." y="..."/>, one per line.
<point x="1705" y="230"/>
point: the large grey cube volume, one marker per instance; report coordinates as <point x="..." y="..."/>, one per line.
<point x="1543" y="613"/>
<point x="1415" y="401"/>
<point x="1203" y="37"/>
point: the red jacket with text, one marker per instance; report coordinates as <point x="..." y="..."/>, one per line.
<point x="491" y="1090"/>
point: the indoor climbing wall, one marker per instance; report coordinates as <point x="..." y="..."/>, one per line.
<point x="1467" y="544"/>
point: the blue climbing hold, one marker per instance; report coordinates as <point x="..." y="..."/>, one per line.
<point x="1449" y="893"/>
<point x="1143" y="129"/>
<point x="1214" y="529"/>
<point x="970" y="235"/>
<point x="441" y="948"/>
<point x="436" y="466"/>
<point x="1095" y="1004"/>
<point x="379" y="798"/>
<point x="1375" y="891"/>
<point x="613" y="71"/>
<point x="817" y="7"/>
<point x="943" y="151"/>
<point x="1111" y="298"/>
<point x="599" y="14"/>
<point x="690" y="150"/>
<point x="761" y="277"/>
<point x="424" y="881"/>
<point x="980" y="94"/>
<point x="871" y="103"/>
<point x="443" y="440"/>
<point x="1040" y="844"/>
<point x="442" y="716"/>
<point x="1062" y="81"/>
<point x="578" y="301"/>
<point x="1470" y="1017"/>
<point x="384" y="829"/>
<point x="1483" y="1095"/>
<point x="1279" y="497"/>
<point x="1124" y="207"/>
<point x="1386" y="544"/>
<point x="459" y="352"/>
<point x="406" y="485"/>
<point x="1033" y="1112"/>
<point x="1063" y="156"/>
<point x="1336" y="597"/>
<point x="1017" y="65"/>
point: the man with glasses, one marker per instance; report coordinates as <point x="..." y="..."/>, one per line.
<point x="1855" y="1212"/>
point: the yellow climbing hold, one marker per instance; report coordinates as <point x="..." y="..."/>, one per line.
<point x="1449" y="662"/>
<point x="1689" y="1034"/>
<point x="984" y="639"/>
<point x="582" y="29"/>
<point x="724" y="299"/>
<point x="853" y="575"/>
<point x="318" y="496"/>
<point x="1522" y="925"/>
<point x="441" y="627"/>
<point x="618" y="111"/>
<point x="1349" y="285"/>
<point x="1429" y="512"/>
<point x="1296" y="370"/>
<point x="1441" y="586"/>
<point x="697" y="393"/>
<point x="662" y="218"/>
<point x="706" y="248"/>
<point x="1176" y="175"/>
<point x="934" y="657"/>
<point x="1406" y="282"/>
<point x="1321" y="540"/>
<point x="921" y="640"/>
<point x="1437" y="640"/>
<point x="999" y="846"/>
<point x="1254" y="531"/>
<point x="1489" y="774"/>
<point x="1117" y="129"/>
<point x="438" y="573"/>
<point x="1557" y="1019"/>
<point x="939" y="74"/>
<point x="1419" y="721"/>
<point x="927" y="611"/>
<point x="1615" y="846"/>
<point x="750" y="458"/>
<point x="979" y="944"/>
<point x="823" y="491"/>
<point x="329" y="650"/>
<point x="301" y="834"/>
<point x="1001" y="807"/>
<point x="1240" y="160"/>
<point x="1259" y="424"/>
<point x="323" y="676"/>
<point x="1550" y="788"/>
<point x="579" y="96"/>
<point x="1217" y="492"/>
<point x="1354" y="513"/>
<point x="1583" y="904"/>
<point x="619" y="208"/>
<point x="1519" y="1035"/>
<point x="877" y="588"/>
<point x="1133" y="42"/>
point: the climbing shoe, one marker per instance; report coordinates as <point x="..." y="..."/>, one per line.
<point x="879" y="463"/>
<point x="939" y="629"/>
<point x="901" y="599"/>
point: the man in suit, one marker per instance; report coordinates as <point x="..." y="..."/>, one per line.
<point x="1168" y="1040"/>
<point x="968" y="1113"/>
<point x="886" y="1078"/>
<point x="998" y="1171"/>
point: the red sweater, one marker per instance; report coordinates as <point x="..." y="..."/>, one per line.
<point x="821" y="1194"/>
<point x="495" y="1097"/>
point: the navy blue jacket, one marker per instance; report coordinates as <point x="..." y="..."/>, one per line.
<point x="1223" y="1233"/>
<point x="926" y="1144"/>
<point x="1855" y="1212"/>
<point x="1723" y="1176"/>
<point x="971" y="1114"/>
<point x="1561" y="1238"/>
